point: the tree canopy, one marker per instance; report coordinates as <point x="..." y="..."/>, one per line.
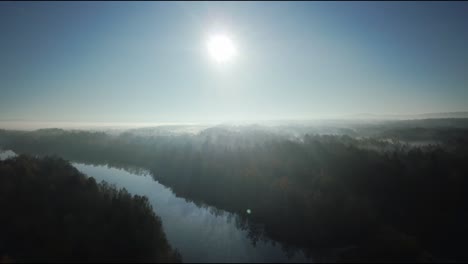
<point x="51" y="212"/>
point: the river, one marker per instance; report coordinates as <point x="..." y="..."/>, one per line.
<point x="200" y="234"/>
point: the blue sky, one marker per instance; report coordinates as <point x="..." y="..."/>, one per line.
<point x="148" y="61"/>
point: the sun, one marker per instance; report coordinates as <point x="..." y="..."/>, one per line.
<point x="221" y="48"/>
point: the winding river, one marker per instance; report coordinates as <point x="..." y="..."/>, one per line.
<point x="200" y="234"/>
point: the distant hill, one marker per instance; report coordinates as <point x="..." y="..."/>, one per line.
<point x="418" y="116"/>
<point x="444" y="115"/>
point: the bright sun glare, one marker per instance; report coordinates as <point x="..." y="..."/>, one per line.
<point x="221" y="48"/>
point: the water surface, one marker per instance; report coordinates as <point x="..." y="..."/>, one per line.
<point x="199" y="234"/>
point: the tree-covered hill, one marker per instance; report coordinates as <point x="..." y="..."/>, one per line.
<point x="51" y="212"/>
<point x="346" y="198"/>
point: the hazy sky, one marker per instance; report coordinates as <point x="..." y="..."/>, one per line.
<point x="148" y="61"/>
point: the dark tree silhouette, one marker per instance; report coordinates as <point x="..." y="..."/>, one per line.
<point x="338" y="197"/>
<point x="53" y="213"/>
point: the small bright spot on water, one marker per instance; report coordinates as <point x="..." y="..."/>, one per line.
<point x="248" y="211"/>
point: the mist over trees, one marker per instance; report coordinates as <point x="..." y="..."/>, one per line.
<point x="368" y="194"/>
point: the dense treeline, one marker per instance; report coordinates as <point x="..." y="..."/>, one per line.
<point x="341" y="198"/>
<point x="53" y="213"/>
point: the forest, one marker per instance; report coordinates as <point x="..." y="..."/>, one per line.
<point x="365" y="194"/>
<point x="53" y="213"/>
<point x="233" y="131"/>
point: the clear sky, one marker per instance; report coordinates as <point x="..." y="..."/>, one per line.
<point x="148" y="61"/>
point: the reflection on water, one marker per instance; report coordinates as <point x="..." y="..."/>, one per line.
<point x="198" y="234"/>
